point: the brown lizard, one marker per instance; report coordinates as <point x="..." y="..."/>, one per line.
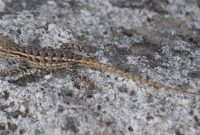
<point x="45" y="58"/>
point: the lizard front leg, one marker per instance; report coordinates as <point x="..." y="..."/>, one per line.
<point x="17" y="72"/>
<point x="12" y="68"/>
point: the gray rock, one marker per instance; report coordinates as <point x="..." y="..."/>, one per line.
<point x="154" y="39"/>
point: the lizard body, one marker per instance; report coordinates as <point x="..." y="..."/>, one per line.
<point x="46" y="58"/>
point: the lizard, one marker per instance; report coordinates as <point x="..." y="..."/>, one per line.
<point x="48" y="58"/>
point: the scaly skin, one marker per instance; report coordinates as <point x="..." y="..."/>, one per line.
<point x="45" y="58"/>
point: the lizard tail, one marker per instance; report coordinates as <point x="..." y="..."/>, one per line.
<point x="157" y="85"/>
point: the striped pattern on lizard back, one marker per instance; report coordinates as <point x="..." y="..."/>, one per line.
<point x="48" y="58"/>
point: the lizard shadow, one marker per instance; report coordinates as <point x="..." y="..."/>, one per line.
<point x="28" y="78"/>
<point x="76" y="77"/>
<point x="37" y="76"/>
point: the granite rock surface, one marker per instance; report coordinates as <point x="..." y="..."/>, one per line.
<point x="158" y="40"/>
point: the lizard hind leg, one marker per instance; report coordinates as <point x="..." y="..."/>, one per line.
<point x="72" y="45"/>
<point x="90" y="86"/>
<point x="78" y="46"/>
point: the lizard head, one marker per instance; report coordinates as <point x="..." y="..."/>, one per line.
<point x="6" y="45"/>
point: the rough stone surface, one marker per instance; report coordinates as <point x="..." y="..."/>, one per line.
<point x="155" y="39"/>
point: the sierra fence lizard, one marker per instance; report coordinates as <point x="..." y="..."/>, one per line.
<point x="44" y="58"/>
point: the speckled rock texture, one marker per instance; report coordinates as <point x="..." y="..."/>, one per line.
<point x="158" y="40"/>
